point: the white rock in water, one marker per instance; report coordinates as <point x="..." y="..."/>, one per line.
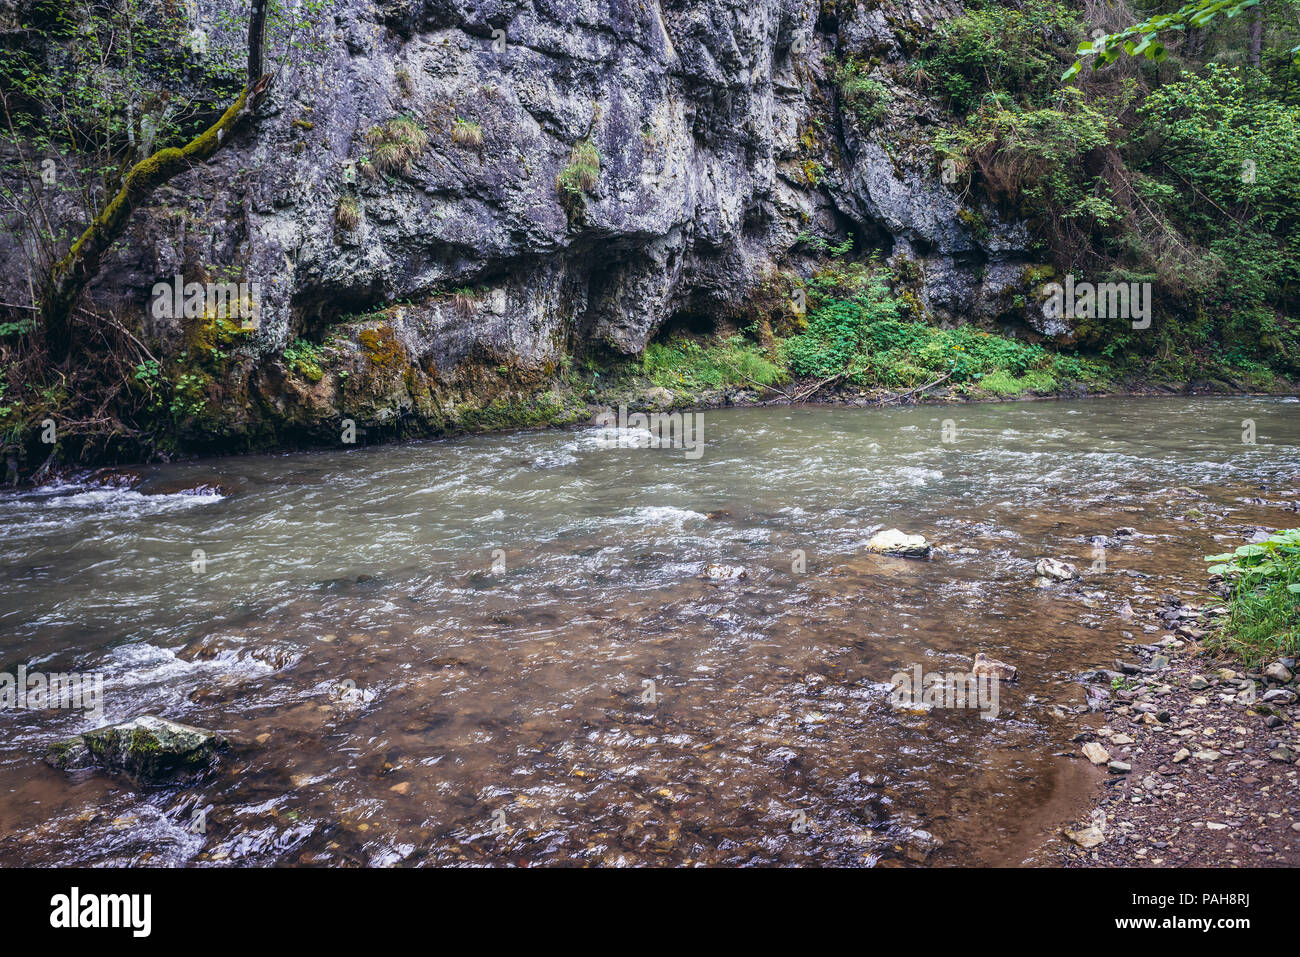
<point x="724" y="573"/>
<point x="893" y="542"/>
<point x="985" y="665"/>
<point x="1051" y="568"/>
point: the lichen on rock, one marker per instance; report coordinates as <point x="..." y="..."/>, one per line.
<point x="149" y="751"/>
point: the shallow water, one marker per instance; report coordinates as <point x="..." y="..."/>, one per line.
<point x="439" y="652"/>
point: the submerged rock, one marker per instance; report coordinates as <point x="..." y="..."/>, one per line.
<point x="893" y="542"/>
<point x="724" y="573"/>
<point x="1057" y="570"/>
<point x="148" y="750"/>
<point x="985" y="665"/>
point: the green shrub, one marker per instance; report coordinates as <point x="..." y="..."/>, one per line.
<point x="857" y="328"/>
<point x="304" y="358"/>
<point x="865" y="98"/>
<point x="996" y="48"/>
<point x="686" y="365"/>
<point x="1263" y="588"/>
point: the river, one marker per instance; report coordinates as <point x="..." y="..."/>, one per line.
<point x="499" y="649"/>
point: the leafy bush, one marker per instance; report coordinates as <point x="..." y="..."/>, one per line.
<point x="305" y="358"/>
<point x="1264" y="586"/>
<point x="866" y="338"/>
<point x="1236" y="150"/>
<point x="866" y="98"/>
<point x="998" y="48"/>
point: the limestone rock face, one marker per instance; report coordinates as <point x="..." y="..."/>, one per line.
<point x="149" y="751"/>
<point x="722" y="140"/>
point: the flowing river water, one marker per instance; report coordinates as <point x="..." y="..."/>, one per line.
<point x="499" y="649"/>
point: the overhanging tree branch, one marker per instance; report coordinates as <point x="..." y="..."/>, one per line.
<point x="69" y="276"/>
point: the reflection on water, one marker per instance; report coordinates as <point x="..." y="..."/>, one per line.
<point x="499" y="649"/>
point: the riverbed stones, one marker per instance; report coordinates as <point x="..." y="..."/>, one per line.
<point x="1055" y="570"/>
<point x="984" y="666"/>
<point x="149" y="751"/>
<point x="724" y="573"/>
<point x="1085" y="837"/>
<point x="1095" y="753"/>
<point x="919" y="844"/>
<point x="893" y="542"/>
<point x="1278" y="672"/>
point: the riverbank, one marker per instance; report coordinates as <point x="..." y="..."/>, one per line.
<point x="1201" y="753"/>
<point x="362" y="383"/>
<point x="575" y="401"/>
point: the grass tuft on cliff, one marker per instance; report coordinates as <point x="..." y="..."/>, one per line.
<point x="467" y="134"/>
<point x="578" y="177"/>
<point x="395" y="145"/>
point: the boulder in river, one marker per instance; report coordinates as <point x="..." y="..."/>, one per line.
<point x="984" y="665"/>
<point x="1057" y="570"/>
<point x="893" y="542"/>
<point x="149" y="751"/>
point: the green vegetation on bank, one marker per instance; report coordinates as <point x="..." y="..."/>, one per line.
<point x="1184" y="173"/>
<point x="859" y="331"/>
<point x="1263" y="582"/>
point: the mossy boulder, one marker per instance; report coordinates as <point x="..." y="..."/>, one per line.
<point x="149" y="751"/>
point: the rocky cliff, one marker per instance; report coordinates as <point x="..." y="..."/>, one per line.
<point x="448" y="197"/>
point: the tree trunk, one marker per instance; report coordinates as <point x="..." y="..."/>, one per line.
<point x="69" y="277"/>
<point x="1256" y="33"/>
